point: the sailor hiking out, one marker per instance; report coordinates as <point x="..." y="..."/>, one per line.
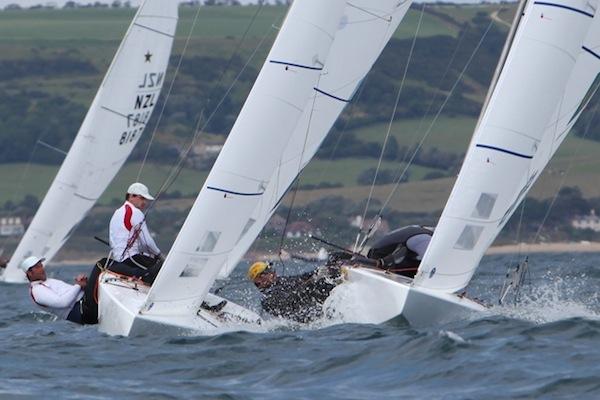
<point x="130" y="239"/>
<point x="298" y="298"/>
<point x="401" y="250"/>
<point x="53" y="295"/>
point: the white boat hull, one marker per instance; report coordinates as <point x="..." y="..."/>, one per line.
<point x="373" y="297"/>
<point x="120" y="300"/>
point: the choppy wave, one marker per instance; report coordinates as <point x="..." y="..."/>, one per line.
<point x="546" y="347"/>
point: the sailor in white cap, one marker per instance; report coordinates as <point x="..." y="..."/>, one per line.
<point x="53" y="295"/>
<point x="130" y="239"/>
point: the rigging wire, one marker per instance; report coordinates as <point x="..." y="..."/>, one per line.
<point x="441" y="82"/>
<point x="338" y="139"/>
<point x="219" y="81"/>
<point x="519" y="229"/>
<point x="284" y="230"/>
<point x="433" y="122"/>
<point x="393" y="116"/>
<point x="359" y="89"/>
<point x="564" y="177"/>
<point x="25" y="172"/>
<point x="200" y="127"/>
<point x="298" y="173"/>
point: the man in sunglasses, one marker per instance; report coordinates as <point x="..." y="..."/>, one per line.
<point x="130" y="239"/>
<point x="53" y="295"/>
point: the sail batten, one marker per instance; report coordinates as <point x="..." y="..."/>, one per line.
<point x="111" y="128"/>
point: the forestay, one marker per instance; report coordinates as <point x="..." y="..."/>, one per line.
<point x="515" y="138"/>
<point x="241" y="174"/>
<point x="364" y="31"/>
<point x="110" y="130"/>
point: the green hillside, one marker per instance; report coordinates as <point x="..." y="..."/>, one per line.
<point x="53" y="61"/>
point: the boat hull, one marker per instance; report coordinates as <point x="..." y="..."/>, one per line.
<point x="120" y="300"/>
<point x="373" y="296"/>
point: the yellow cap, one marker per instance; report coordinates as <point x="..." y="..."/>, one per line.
<point x="256" y="269"/>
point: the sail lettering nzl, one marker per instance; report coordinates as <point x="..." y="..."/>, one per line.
<point x="152" y="80"/>
<point x="143" y="101"/>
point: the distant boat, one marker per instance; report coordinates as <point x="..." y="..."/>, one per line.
<point x="235" y="187"/>
<point x="113" y="125"/>
<point x="547" y="75"/>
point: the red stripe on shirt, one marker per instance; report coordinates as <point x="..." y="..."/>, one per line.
<point x="127" y="219"/>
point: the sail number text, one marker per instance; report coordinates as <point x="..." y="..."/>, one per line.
<point x="135" y="125"/>
<point x="143" y="105"/>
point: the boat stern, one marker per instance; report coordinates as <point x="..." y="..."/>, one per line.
<point x="373" y="296"/>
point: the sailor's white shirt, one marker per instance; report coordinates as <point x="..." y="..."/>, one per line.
<point x="55" y="296"/>
<point x="127" y="221"/>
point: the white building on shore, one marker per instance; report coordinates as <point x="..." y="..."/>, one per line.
<point x="11" y="226"/>
<point x="590" y="221"/>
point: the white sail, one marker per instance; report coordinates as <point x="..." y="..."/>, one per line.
<point x="512" y="141"/>
<point x="110" y="130"/>
<point x="365" y="30"/>
<point x="241" y="174"/>
<point x="583" y="83"/>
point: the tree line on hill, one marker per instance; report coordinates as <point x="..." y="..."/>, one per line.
<point x="435" y="67"/>
<point x="332" y="215"/>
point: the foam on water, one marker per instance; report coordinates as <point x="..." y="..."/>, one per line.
<point x="554" y="298"/>
<point x="452" y="336"/>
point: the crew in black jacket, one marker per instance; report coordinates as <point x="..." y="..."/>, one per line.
<point x="299" y="298"/>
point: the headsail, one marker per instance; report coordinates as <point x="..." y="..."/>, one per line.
<point x="241" y="174"/>
<point x="110" y="130"/>
<point x="365" y="30"/>
<point x="513" y="140"/>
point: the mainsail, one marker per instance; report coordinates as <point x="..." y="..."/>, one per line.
<point x="245" y="166"/>
<point x="113" y="125"/>
<point x="364" y="31"/>
<point x="535" y="102"/>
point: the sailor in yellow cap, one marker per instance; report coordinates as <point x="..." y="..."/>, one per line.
<point x="262" y="274"/>
<point x="298" y="297"/>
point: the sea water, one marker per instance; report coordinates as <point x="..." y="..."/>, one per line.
<point x="546" y="347"/>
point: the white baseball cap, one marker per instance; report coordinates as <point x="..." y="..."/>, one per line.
<point x="30" y="262"/>
<point x="140" y="189"/>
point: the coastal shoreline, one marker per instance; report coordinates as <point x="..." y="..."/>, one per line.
<point x="523" y="248"/>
